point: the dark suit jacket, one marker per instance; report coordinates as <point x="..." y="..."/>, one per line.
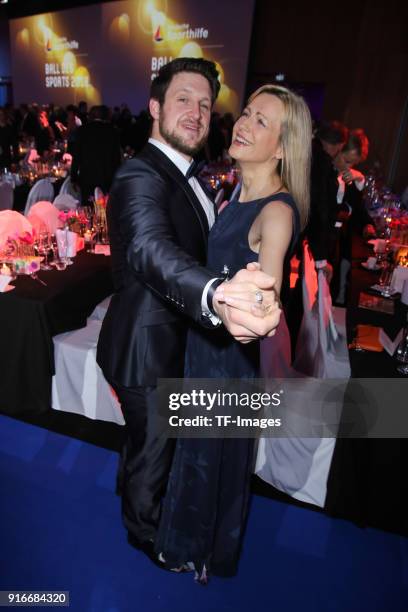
<point x="323" y="203"/>
<point x="96" y="156"/>
<point x="357" y="220"/>
<point x="158" y="234"/>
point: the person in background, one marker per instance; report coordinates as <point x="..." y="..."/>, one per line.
<point x="45" y="136"/>
<point x="83" y="111"/>
<point x="352" y="213"/>
<point x="329" y="139"/>
<point x="96" y="155"/>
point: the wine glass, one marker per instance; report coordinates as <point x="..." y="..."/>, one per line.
<point x="44" y="245"/>
<point x="90" y="239"/>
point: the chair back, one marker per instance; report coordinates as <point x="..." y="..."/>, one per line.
<point x="98" y="194"/>
<point x="43" y="190"/>
<point x="68" y="187"/>
<point x="65" y="201"/>
<point x="6" y="196"/>
<point x="219" y="197"/>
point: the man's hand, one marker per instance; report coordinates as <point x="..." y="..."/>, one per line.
<point x="351" y="175"/>
<point x="247" y="304"/>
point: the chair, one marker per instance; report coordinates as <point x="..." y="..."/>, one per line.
<point x="78" y="385"/>
<point x="44" y="214"/>
<point x="12" y="222"/>
<point x="6" y="196"/>
<point x="235" y="192"/>
<point x="98" y="194"/>
<point x="68" y="187"/>
<point x="65" y="201"/>
<point x="100" y="310"/>
<point x="43" y="190"/>
<point x="219" y="197"/>
<point x="295" y="465"/>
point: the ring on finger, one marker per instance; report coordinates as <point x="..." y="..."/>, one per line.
<point x="258" y="297"/>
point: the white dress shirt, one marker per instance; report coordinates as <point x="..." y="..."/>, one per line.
<point x="183" y="165"/>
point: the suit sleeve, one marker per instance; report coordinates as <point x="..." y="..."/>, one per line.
<point x="360" y="216"/>
<point x="139" y="201"/>
<point x="319" y="227"/>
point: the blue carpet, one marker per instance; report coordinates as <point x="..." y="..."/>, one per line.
<point x="61" y="530"/>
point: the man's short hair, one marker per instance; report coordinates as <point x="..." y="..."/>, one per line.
<point x="204" y="67"/>
<point x="332" y="132"/>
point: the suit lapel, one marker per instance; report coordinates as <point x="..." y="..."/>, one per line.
<point x="209" y="194"/>
<point x="171" y="169"/>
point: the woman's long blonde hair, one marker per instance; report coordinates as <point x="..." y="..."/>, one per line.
<point x="296" y="141"/>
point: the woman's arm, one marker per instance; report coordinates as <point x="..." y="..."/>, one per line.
<point x="275" y="232"/>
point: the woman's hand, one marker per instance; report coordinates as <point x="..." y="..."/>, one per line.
<point x="248" y="305"/>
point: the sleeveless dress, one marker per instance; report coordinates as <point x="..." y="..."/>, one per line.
<point x="206" y="504"/>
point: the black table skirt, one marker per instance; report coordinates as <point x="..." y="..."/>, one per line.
<point x="31" y="315"/>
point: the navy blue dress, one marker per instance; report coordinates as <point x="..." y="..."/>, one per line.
<point x="206" y="504"/>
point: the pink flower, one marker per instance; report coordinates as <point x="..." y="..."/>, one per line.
<point x="26" y="238"/>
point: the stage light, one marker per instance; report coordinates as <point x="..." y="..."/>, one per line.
<point x="3" y="1"/>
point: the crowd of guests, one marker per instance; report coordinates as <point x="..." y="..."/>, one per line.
<point x="99" y="138"/>
<point x="44" y="125"/>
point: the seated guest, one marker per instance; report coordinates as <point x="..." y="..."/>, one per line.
<point x="96" y="154"/>
<point x="352" y="212"/>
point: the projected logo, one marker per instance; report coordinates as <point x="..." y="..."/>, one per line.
<point x="158" y="35"/>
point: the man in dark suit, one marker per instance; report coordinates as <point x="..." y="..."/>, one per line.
<point x="96" y="154"/>
<point x="330" y="138"/>
<point x="159" y="217"/>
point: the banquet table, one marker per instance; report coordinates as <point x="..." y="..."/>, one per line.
<point x="32" y="314"/>
<point x="367" y="481"/>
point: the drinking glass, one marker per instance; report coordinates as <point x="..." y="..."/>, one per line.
<point x="44" y="245"/>
<point x="386" y="278"/>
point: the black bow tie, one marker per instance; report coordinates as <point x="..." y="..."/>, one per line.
<point x="195" y="168"/>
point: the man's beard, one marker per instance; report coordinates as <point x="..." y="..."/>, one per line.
<point x="177" y="143"/>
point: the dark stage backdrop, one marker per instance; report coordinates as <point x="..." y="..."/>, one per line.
<point x="110" y="52"/>
<point x="359" y="50"/>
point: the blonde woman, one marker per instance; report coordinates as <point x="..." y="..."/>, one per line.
<point x="205" y="508"/>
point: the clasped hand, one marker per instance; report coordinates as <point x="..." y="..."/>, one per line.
<point x="248" y="304"/>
